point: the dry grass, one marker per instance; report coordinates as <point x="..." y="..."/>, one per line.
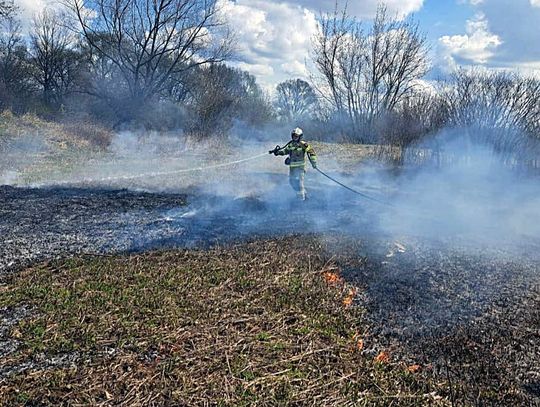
<point x="56" y="136"/>
<point x="344" y="157"/>
<point x="34" y="148"/>
<point x="260" y="323"/>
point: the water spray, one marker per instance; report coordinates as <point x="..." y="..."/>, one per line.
<point x="214" y="166"/>
<point x="161" y="173"/>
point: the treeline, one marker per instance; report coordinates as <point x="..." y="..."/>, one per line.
<point x="161" y="65"/>
<point x="138" y="63"/>
<point x="370" y="83"/>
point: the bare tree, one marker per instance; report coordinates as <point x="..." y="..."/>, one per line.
<point x="295" y="99"/>
<point x="7" y="8"/>
<point x="405" y="130"/>
<point x="366" y="75"/>
<point x="330" y="55"/>
<point x="15" y="84"/>
<point x="493" y="99"/>
<point x="497" y="108"/>
<point x="397" y="58"/>
<point x="54" y="60"/>
<point x="150" y="41"/>
<point x="218" y="95"/>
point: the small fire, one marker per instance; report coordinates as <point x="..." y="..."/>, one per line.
<point x="383" y="357"/>
<point x="413" y="368"/>
<point x="331" y="277"/>
<point x="348" y="300"/>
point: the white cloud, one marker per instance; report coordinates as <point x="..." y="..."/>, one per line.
<point x="478" y="45"/>
<point x="277" y="34"/>
<point x="516" y="25"/>
<point x="28" y="8"/>
<point x="363" y="9"/>
<point x="295" y="69"/>
<point x="259" y="70"/>
<point x="274" y="39"/>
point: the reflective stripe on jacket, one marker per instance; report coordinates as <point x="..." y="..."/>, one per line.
<point x="297" y="153"/>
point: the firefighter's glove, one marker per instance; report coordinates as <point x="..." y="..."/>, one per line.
<point x="275" y="150"/>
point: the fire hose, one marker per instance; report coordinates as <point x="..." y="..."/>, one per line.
<point x="353" y="190"/>
<point x="220" y="165"/>
<point x="208" y="167"/>
<point x="157" y="174"/>
<point x="275" y="150"/>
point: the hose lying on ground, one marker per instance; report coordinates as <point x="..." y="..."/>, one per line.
<point x="209" y="167"/>
<point x="353" y="190"/>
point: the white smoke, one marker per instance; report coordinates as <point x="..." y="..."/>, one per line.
<point x="474" y="195"/>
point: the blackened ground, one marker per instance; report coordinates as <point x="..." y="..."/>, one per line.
<point x="467" y="311"/>
<point x="39" y="224"/>
<point x="43" y="223"/>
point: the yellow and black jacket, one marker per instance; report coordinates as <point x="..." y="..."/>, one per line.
<point x="297" y="151"/>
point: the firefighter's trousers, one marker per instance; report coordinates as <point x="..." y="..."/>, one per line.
<point x="296" y="179"/>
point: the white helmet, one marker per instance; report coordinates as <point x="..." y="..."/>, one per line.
<point x="297" y="132"/>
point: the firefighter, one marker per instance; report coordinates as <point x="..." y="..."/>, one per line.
<point x="296" y="150"/>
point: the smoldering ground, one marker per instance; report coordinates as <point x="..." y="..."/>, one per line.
<point x="452" y="254"/>
<point x="466" y="236"/>
<point x="470" y="191"/>
<point x="469" y="204"/>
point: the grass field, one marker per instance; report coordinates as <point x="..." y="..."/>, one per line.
<point x="273" y="320"/>
<point x="267" y="323"/>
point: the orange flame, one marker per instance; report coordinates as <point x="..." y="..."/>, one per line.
<point x="383" y="357"/>
<point x="413" y="368"/>
<point x="348" y="300"/>
<point x="331" y="278"/>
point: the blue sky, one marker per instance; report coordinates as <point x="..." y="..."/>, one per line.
<point x="443" y="17"/>
<point x="274" y="36"/>
<point x="490" y="34"/>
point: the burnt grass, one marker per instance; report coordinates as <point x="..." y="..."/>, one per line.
<point x="117" y="297"/>
<point x="43" y="223"/>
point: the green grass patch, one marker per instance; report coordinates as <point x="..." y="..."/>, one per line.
<point x="250" y="324"/>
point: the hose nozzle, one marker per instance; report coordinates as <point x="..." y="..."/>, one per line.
<point x="275" y="150"/>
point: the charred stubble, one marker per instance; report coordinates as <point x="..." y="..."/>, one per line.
<point x="466" y="312"/>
